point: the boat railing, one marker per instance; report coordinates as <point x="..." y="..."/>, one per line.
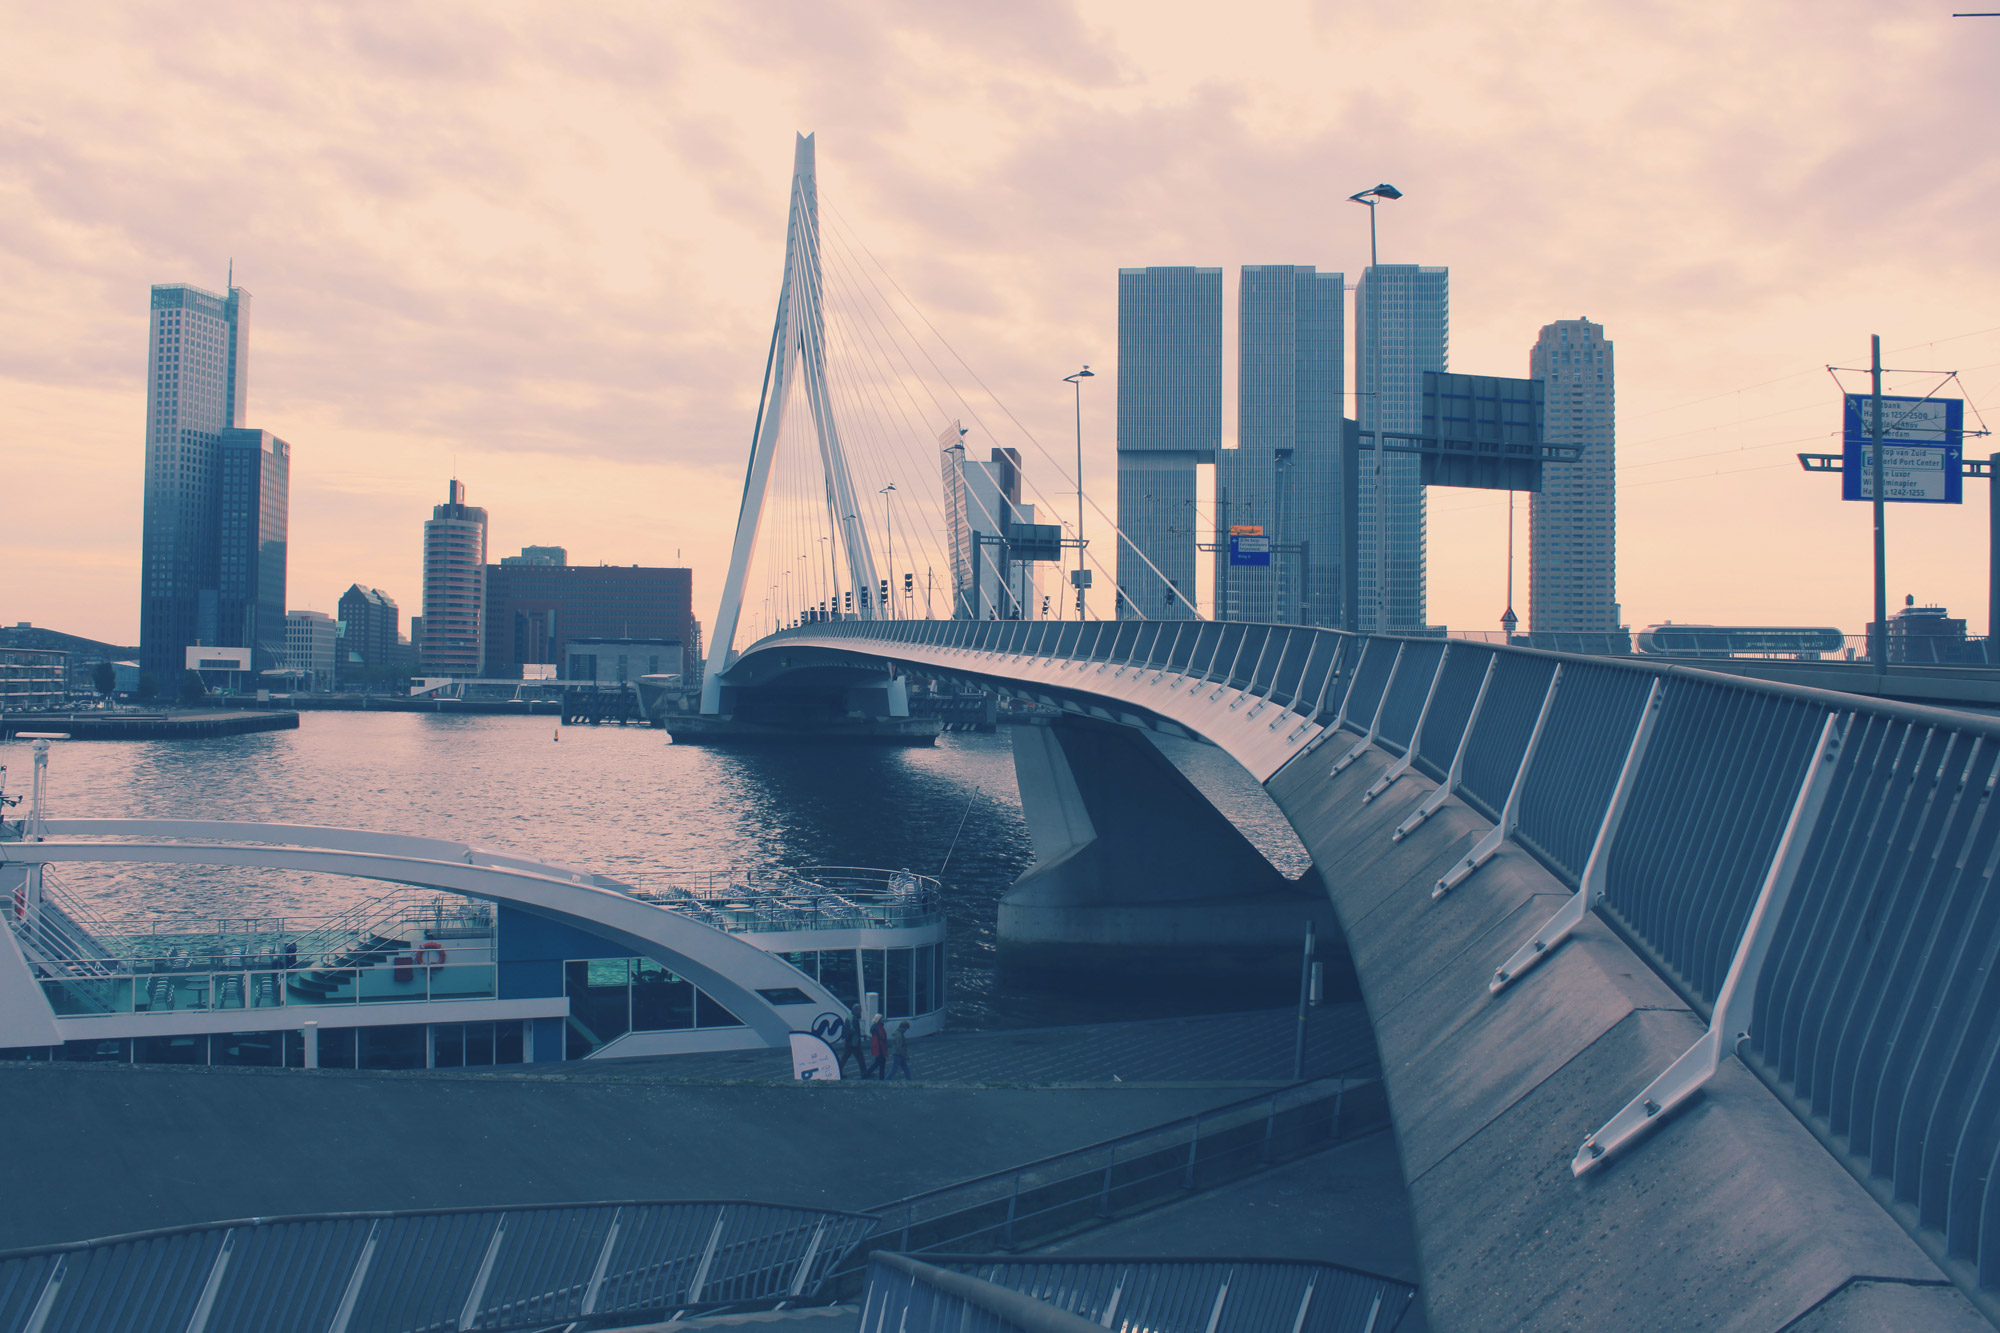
<point x="808" y="898"/>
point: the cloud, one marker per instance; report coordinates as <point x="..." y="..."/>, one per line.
<point x="545" y="242"/>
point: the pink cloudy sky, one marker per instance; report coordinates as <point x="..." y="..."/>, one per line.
<point x="539" y="245"/>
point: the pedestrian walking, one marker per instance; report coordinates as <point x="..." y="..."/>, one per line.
<point x="850" y="1049"/>
<point x="899" y="1051"/>
<point x="878" y="1048"/>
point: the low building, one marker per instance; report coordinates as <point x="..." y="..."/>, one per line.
<point x="1928" y="636"/>
<point x="534" y="612"/>
<point x="33" y="680"/>
<point x="621" y="661"/>
<point x="538" y="555"/>
<point x="472" y="960"/>
<point x="311" y="640"/>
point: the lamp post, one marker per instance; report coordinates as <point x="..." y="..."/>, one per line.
<point x="890" y="528"/>
<point x="1076" y="382"/>
<point x="1370" y="197"/>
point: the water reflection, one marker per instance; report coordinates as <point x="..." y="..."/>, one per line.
<point x="618" y="800"/>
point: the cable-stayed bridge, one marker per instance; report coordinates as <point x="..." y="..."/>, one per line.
<point x="1686" y="986"/>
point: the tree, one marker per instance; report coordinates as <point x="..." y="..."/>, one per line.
<point x="192" y="689"/>
<point x="105" y="677"/>
<point x="149" y="687"/>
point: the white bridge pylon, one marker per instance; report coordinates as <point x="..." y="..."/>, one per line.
<point x="798" y="347"/>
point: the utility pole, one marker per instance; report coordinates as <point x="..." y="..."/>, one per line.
<point x="1878" y="633"/>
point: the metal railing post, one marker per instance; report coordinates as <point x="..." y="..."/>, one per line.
<point x="1590" y="889"/>
<point x="1013" y="1206"/>
<point x="1734" y="1004"/>
<point x="1332" y="671"/>
<point x="1104" y="1189"/>
<point x="1194" y="1149"/>
<point x="1402" y="766"/>
<point x="1374" y="723"/>
<point x="1435" y="801"/>
<point x="1510" y="814"/>
<point x="1270" y="1123"/>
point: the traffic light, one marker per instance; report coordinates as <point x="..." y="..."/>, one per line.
<point x="909" y="586"/>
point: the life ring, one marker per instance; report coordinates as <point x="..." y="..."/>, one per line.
<point x="431" y="954"/>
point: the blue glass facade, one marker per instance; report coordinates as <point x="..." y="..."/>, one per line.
<point x="197" y="384"/>
<point x="1169" y="422"/>
<point x="1402" y="328"/>
<point x="1284" y="474"/>
<point x="250" y="562"/>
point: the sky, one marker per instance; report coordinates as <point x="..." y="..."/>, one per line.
<point x="538" y="248"/>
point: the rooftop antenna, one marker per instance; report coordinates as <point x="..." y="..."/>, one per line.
<point x="232" y="274"/>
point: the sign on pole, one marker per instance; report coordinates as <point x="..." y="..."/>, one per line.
<point x="1922" y="450"/>
<point x="1248" y="545"/>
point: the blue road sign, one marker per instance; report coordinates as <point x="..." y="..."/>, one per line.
<point x="1922" y="450"/>
<point x="1245" y="549"/>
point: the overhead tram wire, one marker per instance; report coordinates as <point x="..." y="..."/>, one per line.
<point x="1054" y="465"/>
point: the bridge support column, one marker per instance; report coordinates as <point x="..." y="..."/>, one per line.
<point x="1139" y="880"/>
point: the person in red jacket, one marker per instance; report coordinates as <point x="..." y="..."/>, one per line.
<point x="878" y="1048"/>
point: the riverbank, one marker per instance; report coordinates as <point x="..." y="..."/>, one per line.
<point x="162" y="726"/>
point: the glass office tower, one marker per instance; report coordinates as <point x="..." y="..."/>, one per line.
<point x="1573" y="522"/>
<point x="1169" y="422"/>
<point x="254" y="511"/>
<point x="454" y="637"/>
<point x="1402" y="317"/>
<point x="1284" y="474"/>
<point x="197" y="363"/>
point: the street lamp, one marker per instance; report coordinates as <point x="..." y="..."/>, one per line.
<point x="1370" y="197"/>
<point x="890" y="528"/>
<point x="1079" y="577"/>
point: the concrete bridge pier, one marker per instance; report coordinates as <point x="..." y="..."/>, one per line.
<point x="1139" y="881"/>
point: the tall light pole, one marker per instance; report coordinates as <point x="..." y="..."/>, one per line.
<point x="890" y="528"/>
<point x="1082" y="585"/>
<point x="1371" y="197"/>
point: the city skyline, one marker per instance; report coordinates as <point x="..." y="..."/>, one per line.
<point x="395" y="345"/>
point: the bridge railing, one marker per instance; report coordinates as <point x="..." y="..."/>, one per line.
<point x="1812" y="871"/>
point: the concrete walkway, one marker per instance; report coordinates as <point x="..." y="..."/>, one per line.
<point x="106" y="1149"/>
<point x="1253" y="1048"/>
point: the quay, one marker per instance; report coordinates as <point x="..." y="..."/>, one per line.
<point x="162" y="726"/>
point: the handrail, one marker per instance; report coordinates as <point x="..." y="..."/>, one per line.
<point x="1864" y="1000"/>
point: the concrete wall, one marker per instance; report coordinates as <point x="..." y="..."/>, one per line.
<point x="1730" y="1216"/>
<point x="1138" y="876"/>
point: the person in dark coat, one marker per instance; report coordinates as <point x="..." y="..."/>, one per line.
<point x="899" y="1052"/>
<point x="878" y="1049"/>
<point x="850" y="1049"/>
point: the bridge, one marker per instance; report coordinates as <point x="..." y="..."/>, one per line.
<point x="1684" y="984"/>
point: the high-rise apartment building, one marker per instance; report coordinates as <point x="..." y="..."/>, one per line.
<point x="1169" y="423"/>
<point x="1573" y="520"/>
<point x="1284" y="474"/>
<point x="371" y="633"/>
<point x="197" y="363"/>
<point x="981" y="502"/>
<point x="454" y="587"/>
<point x="1402" y="328"/>
<point x="256" y="471"/>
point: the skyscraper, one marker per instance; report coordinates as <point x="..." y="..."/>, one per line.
<point x="197" y="383"/>
<point x="1284" y="474"/>
<point x="1402" y="326"/>
<point x="1169" y="422"/>
<point x="454" y="587"/>
<point x="982" y="501"/>
<point x="1573" y="521"/>
<point x="256" y="470"/>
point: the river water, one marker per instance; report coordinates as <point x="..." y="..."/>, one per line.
<point x="622" y="801"/>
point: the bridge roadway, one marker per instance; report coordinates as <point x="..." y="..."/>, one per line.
<point x="1637" y="1081"/>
